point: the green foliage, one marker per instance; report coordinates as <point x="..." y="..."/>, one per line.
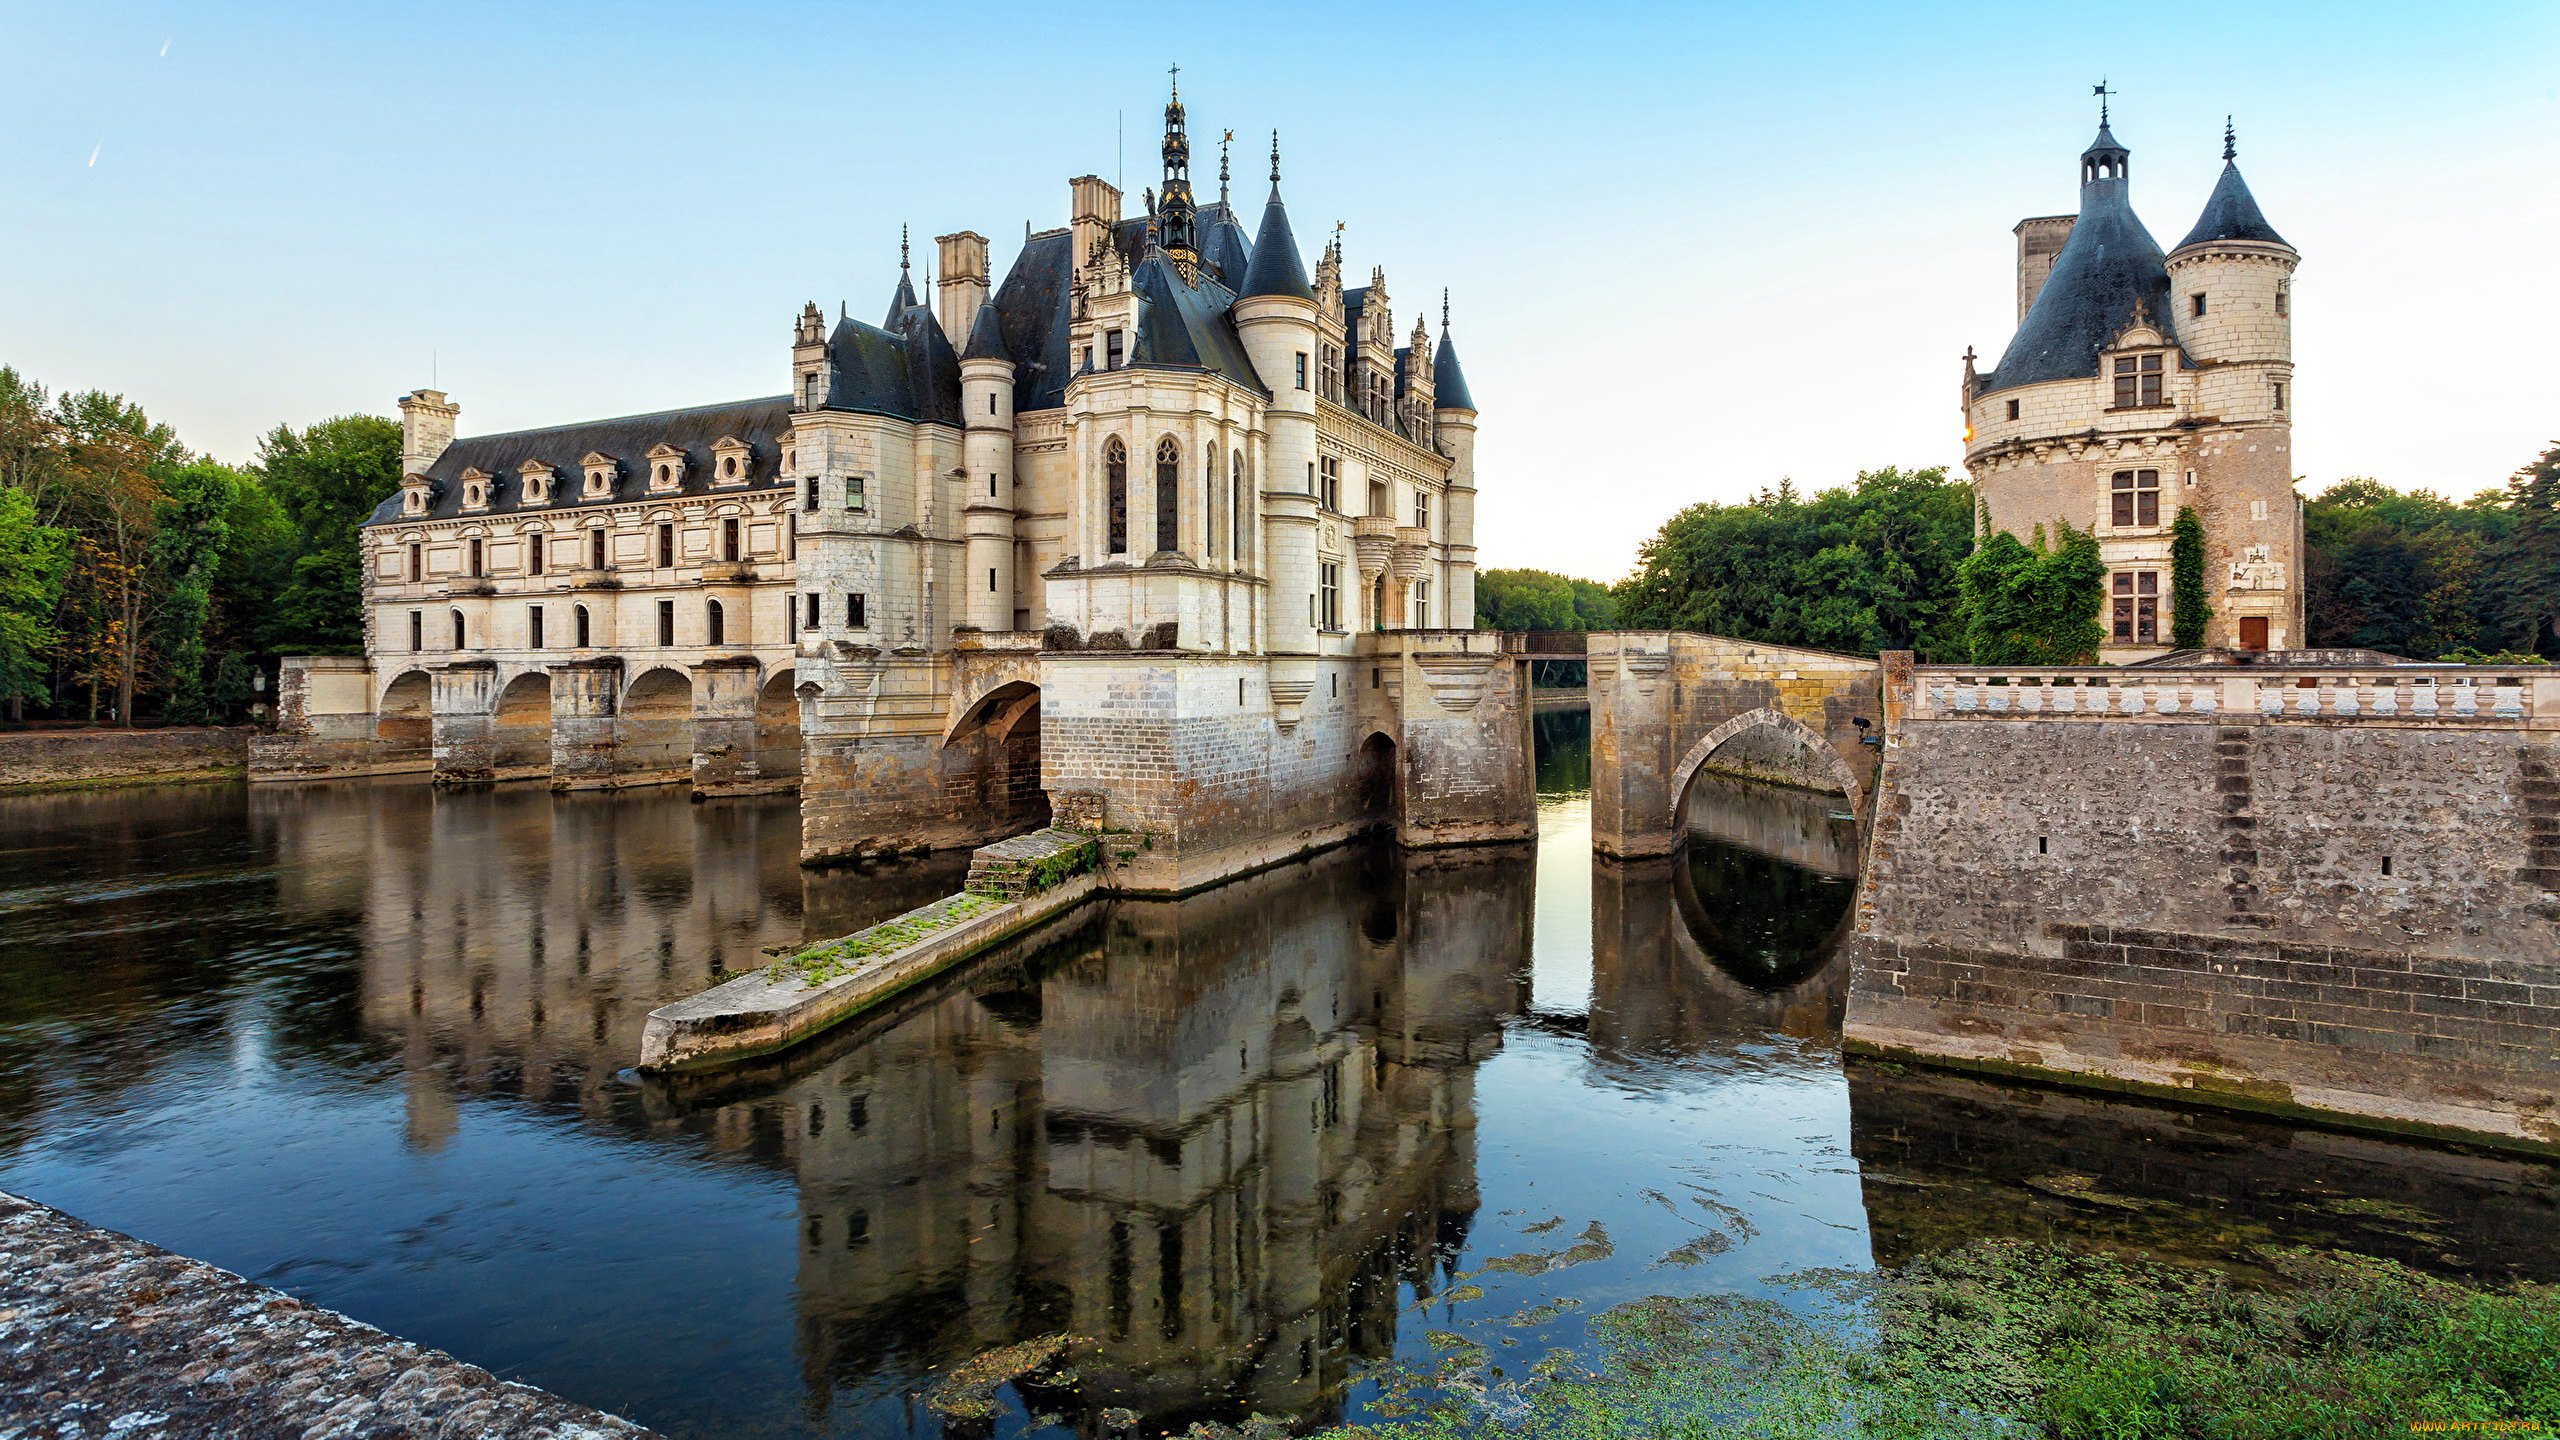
<point x="34" y="561"/>
<point x="2411" y="574"/>
<point x="2528" y="590"/>
<point x="2030" y="605"/>
<point x="1862" y="568"/>
<point x="2189" y="612"/>
<point x="2491" y="657"/>
<point x="191" y="529"/>
<point x="832" y="959"/>
<point x="326" y="479"/>
<point x="1541" y="600"/>
<point x="2010" y="1337"/>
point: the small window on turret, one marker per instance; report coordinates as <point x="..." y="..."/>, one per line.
<point x="1112" y="350"/>
<point x="2013" y="409"/>
<point x="2284" y="301"/>
<point x="2199" y="302"/>
<point x="2279" y="394"/>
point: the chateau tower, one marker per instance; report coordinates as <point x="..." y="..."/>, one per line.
<point x="2139" y="384"/>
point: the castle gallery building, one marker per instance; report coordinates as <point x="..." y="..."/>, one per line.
<point x="1158" y="521"/>
<point x="2139" y="383"/>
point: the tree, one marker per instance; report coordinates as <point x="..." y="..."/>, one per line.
<point x="2033" y="605"/>
<point x="1861" y="568"/>
<point x="1540" y="600"/>
<point x="2411" y="574"/>
<point x="2188" y="610"/>
<point x="33" y="561"/>
<point x="191" y="530"/>
<point x="326" y="479"/>
<point x="2529" y="564"/>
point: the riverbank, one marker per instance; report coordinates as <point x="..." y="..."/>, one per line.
<point x="2019" y="1337"/>
<point x="101" y="1333"/>
<point x="32" y="760"/>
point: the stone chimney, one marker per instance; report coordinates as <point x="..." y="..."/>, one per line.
<point x="426" y="428"/>
<point x="1095" y="204"/>
<point x="2039" y="241"/>
<point x="964" y="282"/>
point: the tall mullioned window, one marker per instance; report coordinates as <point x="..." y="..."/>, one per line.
<point x="1328" y="597"/>
<point x="2136" y="604"/>
<point x="1115" y="481"/>
<point x="2137" y="497"/>
<point x="1168" y="495"/>
<point x="2137" y="381"/>
<point x="1329" y="483"/>
<point x="1209" y="526"/>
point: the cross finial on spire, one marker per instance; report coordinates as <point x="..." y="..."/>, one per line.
<point x="1444" y="307"/>
<point x="2229" y="147"/>
<point x="2102" y="92"/>
<point x="1224" y="140"/>
<point x="1275" y="157"/>
<point x="902" y="248"/>
<point x="1176" y="72"/>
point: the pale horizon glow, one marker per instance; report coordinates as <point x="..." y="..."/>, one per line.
<point x="1691" y="250"/>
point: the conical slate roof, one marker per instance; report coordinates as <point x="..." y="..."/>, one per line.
<point x="2232" y="213"/>
<point x="902" y="301"/>
<point x="1276" y="268"/>
<point x="2109" y="270"/>
<point x="986" y="337"/>
<point x="1448" y="382"/>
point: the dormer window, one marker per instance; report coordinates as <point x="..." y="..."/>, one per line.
<point x="415" y="493"/>
<point x="537" y="483"/>
<point x="475" y="488"/>
<point x="2137" y="381"/>
<point x="732" y="459"/>
<point x="666" y="469"/>
<point x="790" y="457"/>
<point x="601" y="472"/>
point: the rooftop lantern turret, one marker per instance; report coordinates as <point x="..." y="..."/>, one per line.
<point x="1177" y="215"/>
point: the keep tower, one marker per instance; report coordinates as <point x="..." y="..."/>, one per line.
<point x="2139" y="384"/>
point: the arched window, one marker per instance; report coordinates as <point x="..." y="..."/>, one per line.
<point x="457" y="630"/>
<point x="1209" y="526"/>
<point x="715" y="629"/>
<point x="585" y="636"/>
<point x="1115" y="472"/>
<point x="1168" y="494"/>
<point x="1240" y="510"/>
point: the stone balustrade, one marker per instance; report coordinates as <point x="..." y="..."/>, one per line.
<point x="2407" y="694"/>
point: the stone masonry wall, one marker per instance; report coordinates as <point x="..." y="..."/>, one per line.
<point x="58" y="757"/>
<point x="2317" y="913"/>
<point x="101" y="1334"/>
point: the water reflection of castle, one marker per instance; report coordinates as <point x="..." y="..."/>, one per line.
<point x="1215" y="1135"/>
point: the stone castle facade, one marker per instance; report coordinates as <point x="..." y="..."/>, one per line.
<point x="2139" y="383"/>
<point x="1160" y="520"/>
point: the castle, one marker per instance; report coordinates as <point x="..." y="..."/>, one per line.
<point x="1159" y="523"/>
<point x="2139" y="384"/>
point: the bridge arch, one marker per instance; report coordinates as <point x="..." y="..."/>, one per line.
<point x="1826" y="758"/>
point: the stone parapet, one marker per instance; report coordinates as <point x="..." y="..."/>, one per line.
<point x="2454" y="695"/>
<point x="148" y="1343"/>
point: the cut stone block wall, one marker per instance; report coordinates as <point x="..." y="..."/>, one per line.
<point x="2319" y="913"/>
<point x="59" y="757"/>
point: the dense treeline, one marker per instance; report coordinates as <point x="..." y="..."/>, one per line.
<point x="1866" y="567"/>
<point x="2418" y="574"/>
<point x="141" y="580"/>
<point x="1889" y="562"/>
<point x="1541" y="600"/>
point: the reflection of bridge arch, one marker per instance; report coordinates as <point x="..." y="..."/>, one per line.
<point x="1824" y="756"/>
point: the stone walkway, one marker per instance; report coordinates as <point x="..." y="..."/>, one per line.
<point x="104" y="1336"/>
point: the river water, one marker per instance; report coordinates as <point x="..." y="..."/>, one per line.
<point x="368" y="1043"/>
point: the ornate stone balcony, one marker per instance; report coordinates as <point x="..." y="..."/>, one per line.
<point x="1374" y="538"/>
<point x="1413" y="551"/>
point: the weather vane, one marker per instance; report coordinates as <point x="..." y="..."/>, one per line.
<point x="2102" y="92"/>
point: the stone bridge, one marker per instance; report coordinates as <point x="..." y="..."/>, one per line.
<point x="1669" y="704"/>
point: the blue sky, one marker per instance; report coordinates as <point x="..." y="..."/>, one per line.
<point x="1692" y="249"/>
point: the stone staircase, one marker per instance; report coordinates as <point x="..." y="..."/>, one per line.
<point x="1006" y="868"/>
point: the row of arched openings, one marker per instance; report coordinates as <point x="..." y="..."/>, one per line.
<point x="1216" y="527"/>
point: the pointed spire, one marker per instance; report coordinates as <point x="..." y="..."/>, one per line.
<point x="1178" y="218"/>
<point x="905" y="297"/>
<point x="2231" y="212"/>
<point x="1224" y="140"/>
<point x="1448" y="382"/>
<point x="1277" y="268"/>
<point x="986" y="337"/>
